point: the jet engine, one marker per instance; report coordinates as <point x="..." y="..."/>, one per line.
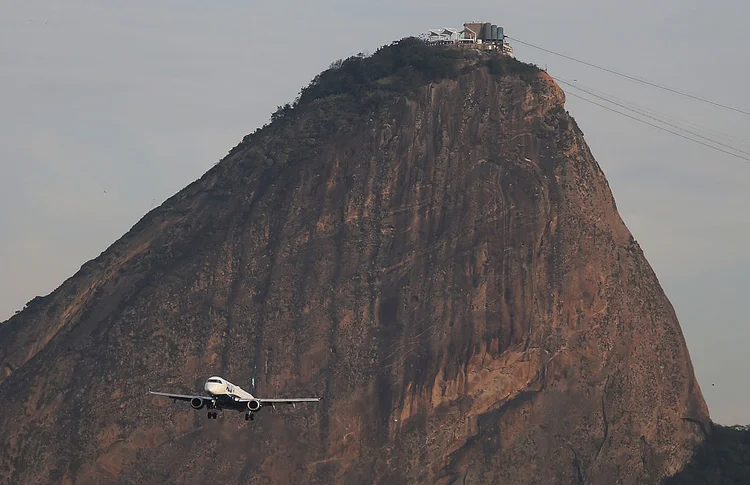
<point x="253" y="405"/>
<point x="197" y="403"/>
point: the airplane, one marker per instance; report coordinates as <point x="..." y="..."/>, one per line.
<point x="225" y="395"/>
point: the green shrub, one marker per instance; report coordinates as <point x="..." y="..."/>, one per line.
<point x="499" y="65"/>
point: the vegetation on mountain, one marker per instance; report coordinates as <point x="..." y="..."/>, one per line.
<point x="360" y="82"/>
<point x="722" y="459"/>
<point x="358" y="88"/>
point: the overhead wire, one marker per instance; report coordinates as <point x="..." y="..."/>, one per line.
<point x="660" y="127"/>
<point x="653" y="117"/>
<point x="730" y="139"/>
<point x="633" y="78"/>
<point x="727" y="149"/>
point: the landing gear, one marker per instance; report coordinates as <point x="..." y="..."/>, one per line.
<point x="211" y="415"/>
<point x="249" y="416"/>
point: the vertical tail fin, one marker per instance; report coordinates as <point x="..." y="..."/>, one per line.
<point x="252" y="381"/>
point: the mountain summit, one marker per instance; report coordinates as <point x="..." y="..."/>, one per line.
<point x="424" y="240"/>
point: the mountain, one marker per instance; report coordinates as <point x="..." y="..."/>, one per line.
<point x="424" y="240"/>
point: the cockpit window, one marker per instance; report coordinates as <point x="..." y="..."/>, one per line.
<point x="218" y="381"/>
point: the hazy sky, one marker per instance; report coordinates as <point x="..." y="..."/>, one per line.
<point x="139" y="99"/>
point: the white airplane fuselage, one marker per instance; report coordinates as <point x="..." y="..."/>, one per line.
<point x="230" y="396"/>
<point x="218" y="387"/>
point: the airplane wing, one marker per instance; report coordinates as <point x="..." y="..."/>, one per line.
<point x="289" y="401"/>
<point x="180" y="397"/>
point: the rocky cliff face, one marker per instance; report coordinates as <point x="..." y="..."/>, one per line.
<point x="444" y="265"/>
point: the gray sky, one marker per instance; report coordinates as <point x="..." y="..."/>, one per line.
<point x="139" y="99"/>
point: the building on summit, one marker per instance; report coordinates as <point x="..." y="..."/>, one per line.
<point x="476" y="35"/>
